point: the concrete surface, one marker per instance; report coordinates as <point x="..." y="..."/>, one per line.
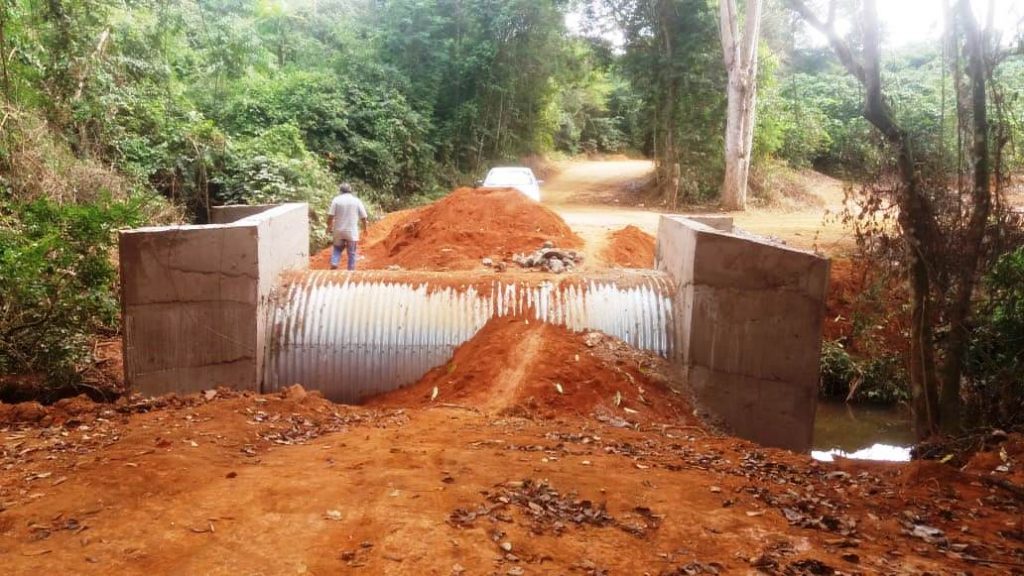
<point x="195" y="298"/>
<point x="749" y="318"/>
<point x="234" y="213"/>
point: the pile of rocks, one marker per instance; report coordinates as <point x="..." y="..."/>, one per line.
<point x="550" y="259"/>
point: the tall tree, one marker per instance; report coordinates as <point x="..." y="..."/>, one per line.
<point x="740" y="56"/>
<point x="943" y="229"/>
<point x="672" y="62"/>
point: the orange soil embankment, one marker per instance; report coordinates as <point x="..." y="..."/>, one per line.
<point x="513" y="365"/>
<point x="629" y="247"/>
<point x="459" y="230"/>
<point x="206" y="484"/>
<point x="864" y="309"/>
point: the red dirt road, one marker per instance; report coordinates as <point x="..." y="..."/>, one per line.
<point x="209" y="488"/>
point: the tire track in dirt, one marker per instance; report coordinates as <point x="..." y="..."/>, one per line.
<point x="509" y="380"/>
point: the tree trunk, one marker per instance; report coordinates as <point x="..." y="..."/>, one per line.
<point x="740" y="56"/>
<point x="916" y="217"/>
<point x="735" y="185"/>
<point x="5" y="80"/>
<point x="669" y="154"/>
<point x="981" y="207"/>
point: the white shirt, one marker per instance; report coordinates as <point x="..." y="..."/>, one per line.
<point x="347" y="211"/>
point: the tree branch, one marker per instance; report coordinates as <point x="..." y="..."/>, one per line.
<point x="727" y="23"/>
<point x="750" y="36"/>
<point x="839" y="46"/>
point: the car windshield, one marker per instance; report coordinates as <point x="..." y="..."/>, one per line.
<point x="508" y="178"/>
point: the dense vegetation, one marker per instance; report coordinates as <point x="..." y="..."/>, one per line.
<point x="255" y="100"/>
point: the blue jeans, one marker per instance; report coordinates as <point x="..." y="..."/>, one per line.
<point x="336" y="254"/>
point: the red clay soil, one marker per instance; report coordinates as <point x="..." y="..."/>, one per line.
<point x="291" y="484"/>
<point x="459" y="230"/>
<point x="856" y="294"/>
<point x="629" y="247"/>
<point x="516" y="366"/>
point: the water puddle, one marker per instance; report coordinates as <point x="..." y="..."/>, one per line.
<point x="862" y="432"/>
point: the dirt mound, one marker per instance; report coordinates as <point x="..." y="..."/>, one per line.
<point x="629" y="247"/>
<point x="458" y="231"/>
<point x="521" y="367"/>
<point x="68" y="410"/>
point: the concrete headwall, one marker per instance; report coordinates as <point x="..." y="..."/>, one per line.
<point x="234" y="213"/>
<point x="195" y="298"/>
<point x="749" y="319"/>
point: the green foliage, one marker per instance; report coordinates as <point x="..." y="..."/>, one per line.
<point x="995" y="360"/>
<point x="838" y="370"/>
<point x="877" y="380"/>
<point x="673" y="63"/>
<point x="272" y="167"/>
<point x="365" y="132"/>
<point x="815" y="120"/>
<point x="56" y="281"/>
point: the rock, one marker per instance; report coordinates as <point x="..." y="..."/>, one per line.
<point x="394" y="268"/>
<point x="487" y="262"/>
<point x="556" y="266"/>
<point x="548" y="244"/>
<point x="500" y="267"/>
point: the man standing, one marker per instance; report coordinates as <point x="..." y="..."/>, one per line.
<point x="344" y="219"/>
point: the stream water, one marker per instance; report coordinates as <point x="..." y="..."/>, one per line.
<point x="862" y="431"/>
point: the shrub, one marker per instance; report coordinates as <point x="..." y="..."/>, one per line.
<point x="995" y="359"/>
<point x="838" y="370"/>
<point x="878" y="380"/>
<point x="57" y="281"/>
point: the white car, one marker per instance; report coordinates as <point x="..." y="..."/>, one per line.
<point x="521" y="179"/>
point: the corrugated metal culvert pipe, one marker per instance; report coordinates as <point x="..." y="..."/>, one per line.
<point x="352" y="335"/>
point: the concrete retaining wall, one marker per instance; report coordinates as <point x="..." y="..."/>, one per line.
<point x="749" y="320"/>
<point x="195" y="298"/>
<point x="234" y="213"/>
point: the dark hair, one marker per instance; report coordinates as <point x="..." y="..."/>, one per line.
<point x="345" y="188"/>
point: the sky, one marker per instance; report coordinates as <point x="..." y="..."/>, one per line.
<point x="912" y="21"/>
<point x="904" y="21"/>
